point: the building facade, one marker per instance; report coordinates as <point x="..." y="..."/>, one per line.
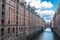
<point x="56" y="21"/>
<point x="16" y="21"/>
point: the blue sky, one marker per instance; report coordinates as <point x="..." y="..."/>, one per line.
<point x="45" y="8"/>
<point x="54" y="8"/>
<point x="54" y="2"/>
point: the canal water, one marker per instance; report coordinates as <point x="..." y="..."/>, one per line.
<point x="46" y="35"/>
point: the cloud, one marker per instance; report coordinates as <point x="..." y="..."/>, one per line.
<point x="37" y="10"/>
<point x="47" y="14"/>
<point x="44" y="13"/>
<point x="35" y="4"/>
<point x="39" y="4"/>
<point x="46" y="4"/>
<point x="28" y="0"/>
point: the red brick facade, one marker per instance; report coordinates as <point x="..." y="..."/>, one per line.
<point x="56" y="21"/>
<point x="17" y="20"/>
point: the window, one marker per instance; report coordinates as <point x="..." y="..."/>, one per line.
<point x="8" y="30"/>
<point x="3" y="1"/>
<point x="3" y="5"/>
<point x="14" y="18"/>
<point x="2" y="14"/>
<point x="2" y="31"/>
<point x="17" y="23"/>
<point x="2" y="39"/>
<point x="8" y="22"/>
<point x="13" y="30"/>
<point x="14" y="11"/>
<point x="3" y="9"/>
<point x="16" y="31"/>
<point x="2" y="22"/>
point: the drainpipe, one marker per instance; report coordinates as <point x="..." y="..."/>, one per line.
<point x="17" y="19"/>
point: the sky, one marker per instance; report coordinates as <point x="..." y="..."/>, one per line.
<point x="45" y="8"/>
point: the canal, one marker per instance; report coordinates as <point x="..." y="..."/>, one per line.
<point x="47" y="34"/>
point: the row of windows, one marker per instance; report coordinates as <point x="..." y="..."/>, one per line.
<point x="3" y="9"/>
<point x="13" y="30"/>
<point x="8" y="31"/>
<point x="12" y="4"/>
<point x="12" y="11"/>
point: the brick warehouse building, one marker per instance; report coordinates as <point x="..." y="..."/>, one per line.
<point x="55" y="23"/>
<point x="16" y="21"/>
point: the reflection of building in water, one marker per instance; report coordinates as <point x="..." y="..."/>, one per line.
<point x="16" y="20"/>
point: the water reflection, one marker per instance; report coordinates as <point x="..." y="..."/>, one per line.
<point x="48" y="29"/>
<point x="47" y="35"/>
